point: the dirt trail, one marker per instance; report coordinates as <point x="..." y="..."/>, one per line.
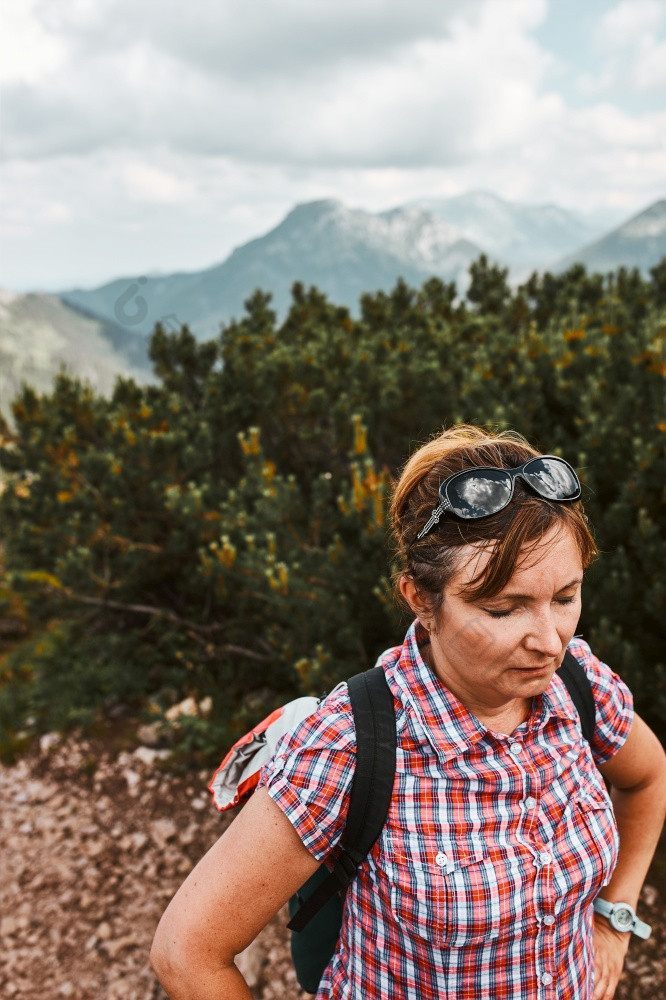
<point x="94" y="845"/>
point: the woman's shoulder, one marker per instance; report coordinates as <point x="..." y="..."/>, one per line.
<point x="613" y="701"/>
<point x="599" y="674"/>
<point x="329" y="728"/>
<point x="310" y="774"/>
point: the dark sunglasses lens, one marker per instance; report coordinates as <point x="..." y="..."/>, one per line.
<point x="552" y="479"/>
<point x="479" y="493"/>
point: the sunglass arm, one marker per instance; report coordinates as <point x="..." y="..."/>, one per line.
<point x="433" y="520"/>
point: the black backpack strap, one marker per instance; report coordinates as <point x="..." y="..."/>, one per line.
<point x="371" y="790"/>
<point x="578" y="685"/>
<point x="372" y="787"/>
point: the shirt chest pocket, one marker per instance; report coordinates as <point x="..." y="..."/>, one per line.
<point x="598" y="830"/>
<point x="442" y="893"/>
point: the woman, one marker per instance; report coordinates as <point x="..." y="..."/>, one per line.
<point x="500" y="833"/>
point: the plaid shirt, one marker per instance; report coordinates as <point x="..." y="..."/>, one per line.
<point x="482" y="881"/>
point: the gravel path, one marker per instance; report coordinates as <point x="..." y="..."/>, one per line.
<point x="93" y="847"/>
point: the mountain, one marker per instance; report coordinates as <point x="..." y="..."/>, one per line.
<point x="345" y="252"/>
<point x="40" y="334"/>
<point x="640" y="242"/>
<point x="523" y="237"/>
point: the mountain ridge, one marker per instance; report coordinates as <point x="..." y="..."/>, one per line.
<point x="641" y="241"/>
<point x="347" y="251"/>
<point x="40" y="335"/>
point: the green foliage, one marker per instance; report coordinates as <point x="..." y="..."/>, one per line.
<point x="223" y="532"/>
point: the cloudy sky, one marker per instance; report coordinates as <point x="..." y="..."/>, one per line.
<point x="141" y="136"/>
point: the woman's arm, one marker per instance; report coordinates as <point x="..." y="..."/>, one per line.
<point x="637" y="774"/>
<point x="236" y="888"/>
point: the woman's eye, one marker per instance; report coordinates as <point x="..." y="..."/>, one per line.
<point x="498" y="614"/>
<point x="565" y="600"/>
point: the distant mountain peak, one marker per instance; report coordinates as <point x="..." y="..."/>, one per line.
<point x="305" y="211"/>
<point x="639" y="242"/>
<point x="650" y="222"/>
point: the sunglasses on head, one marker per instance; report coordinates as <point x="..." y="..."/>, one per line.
<point x="485" y="490"/>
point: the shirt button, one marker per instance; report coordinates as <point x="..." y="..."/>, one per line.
<point x="530" y="802"/>
<point x="441" y="859"/>
<point x="549" y="920"/>
<point x="515" y="748"/>
<point x="546" y="979"/>
<point x="545" y="858"/>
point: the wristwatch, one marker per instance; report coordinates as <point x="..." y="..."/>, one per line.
<point x="622" y="917"/>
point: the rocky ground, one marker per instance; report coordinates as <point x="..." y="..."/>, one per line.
<point x="93" y="846"/>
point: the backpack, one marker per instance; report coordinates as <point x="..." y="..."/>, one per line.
<point x="316" y="909"/>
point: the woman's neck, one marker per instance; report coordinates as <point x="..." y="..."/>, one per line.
<point x="503" y="717"/>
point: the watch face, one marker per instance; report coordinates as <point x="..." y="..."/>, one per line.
<point x="623" y="917"/>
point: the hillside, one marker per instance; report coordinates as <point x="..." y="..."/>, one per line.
<point x="40" y="334"/>
<point x="640" y="242"/>
<point x="525" y="238"/>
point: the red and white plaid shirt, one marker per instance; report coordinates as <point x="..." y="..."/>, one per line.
<point x="482" y="881"/>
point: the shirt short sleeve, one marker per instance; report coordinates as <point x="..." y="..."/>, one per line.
<point x="613" y="701"/>
<point x="309" y="776"/>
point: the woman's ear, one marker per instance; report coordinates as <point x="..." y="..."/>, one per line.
<point x="413" y="597"/>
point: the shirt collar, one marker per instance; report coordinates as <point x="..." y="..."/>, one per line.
<point x="449" y="726"/>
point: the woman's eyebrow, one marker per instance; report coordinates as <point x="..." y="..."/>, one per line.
<point x="529" y="597"/>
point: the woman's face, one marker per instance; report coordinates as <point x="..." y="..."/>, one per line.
<point x="491" y="652"/>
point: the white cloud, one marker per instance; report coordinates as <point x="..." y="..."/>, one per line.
<point x="631" y="42"/>
<point x="150" y="184"/>
<point x="151" y="135"/>
<point x="377" y="87"/>
<point x="29" y="52"/>
<point x="630" y="22"/>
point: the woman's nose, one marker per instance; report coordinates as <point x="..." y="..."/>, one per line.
<point x="543" y="636"/>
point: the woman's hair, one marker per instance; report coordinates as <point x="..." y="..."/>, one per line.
<point x="512" y="532"/>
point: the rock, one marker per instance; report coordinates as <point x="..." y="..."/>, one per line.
<point x="133" y="781"/>
<point x="186" y="707"/>
<point x="162" y="831"/>
<point x="119" y="989"/>
<point x="188" y="834"/>
<point x="250" y="963"/>
<point x="150" y="734"/>
<point x="649" y="895"/>
<point x="8" y="926"/>
<point x="48" y="742"/>
<point x="148" y="756"/>
<point x="113" y="947"/>
<point x="133" y="842"/>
